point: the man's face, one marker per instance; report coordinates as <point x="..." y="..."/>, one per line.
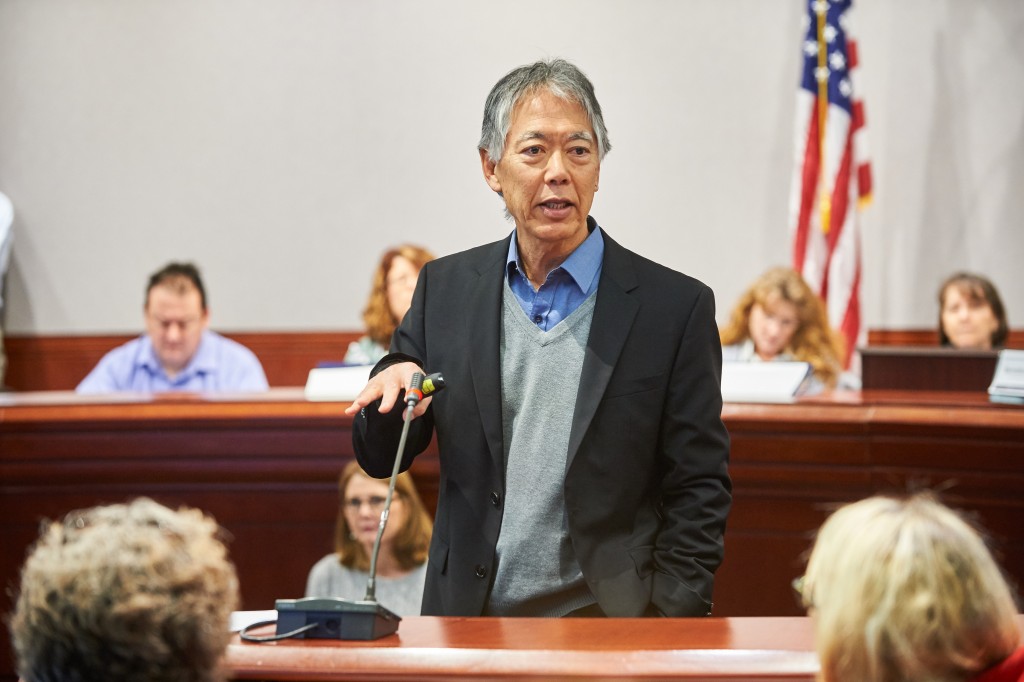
<point x="175" y="323"/>
<point x="549" y="172"/>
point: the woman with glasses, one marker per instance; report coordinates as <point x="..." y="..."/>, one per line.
<point x="904" y="589"/>
<point x="390" y="298"/>
<point x="402" y="562"/>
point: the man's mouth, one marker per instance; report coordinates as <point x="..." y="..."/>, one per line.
<point x="556" y="204"/>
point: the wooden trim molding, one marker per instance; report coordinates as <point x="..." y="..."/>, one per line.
<point x="58" y="363"/>
<point x="926" y="337"/>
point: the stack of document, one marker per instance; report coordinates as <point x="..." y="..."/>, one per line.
<point x="1008" y="381"/>
<point x="337" y="383"/>
<point x="762" y="382"/>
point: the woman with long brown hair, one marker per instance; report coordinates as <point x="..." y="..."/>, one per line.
<point x="390" y="297"/>
<point x="402" y="563"/>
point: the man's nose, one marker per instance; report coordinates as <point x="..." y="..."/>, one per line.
<point x="556" y="171"/>
<point x="173" y="332"/>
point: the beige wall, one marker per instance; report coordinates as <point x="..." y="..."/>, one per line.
<point x="282" y="144"/>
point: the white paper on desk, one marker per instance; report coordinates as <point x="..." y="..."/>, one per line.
<point x="762" y="382"/>
<point x="336" y="383"/>
<point x="1008" y="379"/>
<point x="241" y="619"/>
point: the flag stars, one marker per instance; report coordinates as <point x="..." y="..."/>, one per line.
<point x="820" y="7"/>
<point x="830" y="33"/>
<point x="845" y="87"/>
<point x="821" y="74"/>
<point x="811" y="48"/>
<point x="837" y="61"/>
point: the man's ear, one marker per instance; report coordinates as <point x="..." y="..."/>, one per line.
<point x="490" y="171"/>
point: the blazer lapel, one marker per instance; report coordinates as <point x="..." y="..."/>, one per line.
<point x="614" y="313"/>
<point x="483" y="329"/>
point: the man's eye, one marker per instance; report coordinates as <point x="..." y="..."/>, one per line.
<point x="579" y="151"/>
<point x="533" y="151"/>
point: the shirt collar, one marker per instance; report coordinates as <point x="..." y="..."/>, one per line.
<point x="203" y="362"/>
<point x="583" y="264"/>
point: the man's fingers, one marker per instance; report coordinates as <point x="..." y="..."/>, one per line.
<point x="386" y="387"/>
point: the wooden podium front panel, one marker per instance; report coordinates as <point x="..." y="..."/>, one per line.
<point x="266" y="467"/>
<point x="793" y="464"/>
<point x="477" y="649"/>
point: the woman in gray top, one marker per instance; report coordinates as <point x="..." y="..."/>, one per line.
<point x="402" y="563"/>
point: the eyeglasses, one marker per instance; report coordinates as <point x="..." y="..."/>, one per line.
<point x="376" y="503"/>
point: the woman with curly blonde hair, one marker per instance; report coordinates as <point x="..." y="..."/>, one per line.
<point x="904" y="590"/>
<point x="390" y="298"/>
<point x="780" y="318"/>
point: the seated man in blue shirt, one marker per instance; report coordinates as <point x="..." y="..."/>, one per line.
<point x="178" y="352"/>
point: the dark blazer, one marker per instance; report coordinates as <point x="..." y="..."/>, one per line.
<point x="647" y="488"/>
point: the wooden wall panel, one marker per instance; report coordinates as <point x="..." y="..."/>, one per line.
<point x="58" y="363"/>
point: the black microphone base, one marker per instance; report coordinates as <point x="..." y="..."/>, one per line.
<point x="336" y="618"/>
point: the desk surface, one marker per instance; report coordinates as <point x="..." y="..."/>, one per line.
<point x="462" y="649"/>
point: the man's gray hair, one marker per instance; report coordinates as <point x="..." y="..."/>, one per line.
<point x="558" y="76"/>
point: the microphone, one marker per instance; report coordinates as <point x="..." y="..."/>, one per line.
<point x="318" y="618"/>
<point x="432" y="383"/>
<point x="421" y="386"/>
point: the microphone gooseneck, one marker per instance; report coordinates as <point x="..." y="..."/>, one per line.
<point x="419" y="387"/>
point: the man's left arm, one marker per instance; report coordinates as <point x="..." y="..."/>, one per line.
<point x="242" y="370"/>
<point x="696" y="492"/>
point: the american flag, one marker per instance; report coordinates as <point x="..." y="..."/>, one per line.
<point x="832" y="177"/>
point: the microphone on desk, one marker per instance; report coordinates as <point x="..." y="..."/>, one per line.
<point x="331" y="618"/>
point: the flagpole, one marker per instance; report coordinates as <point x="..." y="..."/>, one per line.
<point x="821" y="9"/>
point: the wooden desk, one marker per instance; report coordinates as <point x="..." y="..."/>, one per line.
<point x="793" y="464"/>
<point x="266" y="467"/>
<point x="471" y="649"/>
<point x="927" y="368"/>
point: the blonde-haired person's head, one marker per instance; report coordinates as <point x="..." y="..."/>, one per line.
<point x="812" y="341"/>
<point x="904" y="589"/>
<point x="125" y="593"/>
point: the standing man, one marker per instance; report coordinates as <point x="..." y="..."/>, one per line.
<point x="582" y="452"/>
<point x="178" y="352"/>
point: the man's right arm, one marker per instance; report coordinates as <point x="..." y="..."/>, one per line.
<point x="379" y="411"/>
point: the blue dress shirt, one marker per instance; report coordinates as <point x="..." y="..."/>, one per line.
<point x="565" y="288"/>
<point x="219" y="364"/>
